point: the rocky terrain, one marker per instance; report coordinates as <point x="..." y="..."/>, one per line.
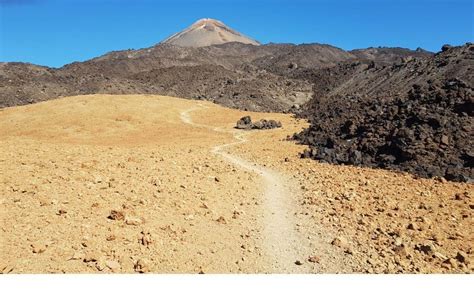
<point x="134" y="184"/>
<point x="415" y="115"/>
<point x="120" y="182"/>
<point x="223" y="74"/>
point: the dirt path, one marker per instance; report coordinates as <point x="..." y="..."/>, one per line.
<point x="282" y="244"/>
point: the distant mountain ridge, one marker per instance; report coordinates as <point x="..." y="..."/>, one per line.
<point x="237" y="73"/>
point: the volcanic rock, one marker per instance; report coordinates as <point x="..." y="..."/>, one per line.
<point x="246" y="123"/>
<point x="424" y="128"/>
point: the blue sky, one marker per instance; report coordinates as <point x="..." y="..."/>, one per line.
<point x="54" y="33"/>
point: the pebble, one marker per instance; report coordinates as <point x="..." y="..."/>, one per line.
<point x="398" y="241"/>
<point x="401" y="251"/>
<point x="141" y="266"/>
<point x="61" y="212"/>
<point x="298" y="262"/>
<point x="221" y="220"/>
<point x="116" y="215"/>
<point x="146" y="238"/>
<point x="413" y="226"/>
<point x="339" y="242"/>
<point x="38" y="248"/>
<point x="440" y="256"/>
<point x="314" y="259"/>
<point x="91" y="257"/>
<point x="133" y="221"/>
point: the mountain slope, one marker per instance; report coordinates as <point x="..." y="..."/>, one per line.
<point x="237" y="73"/>
<point x="414" y="116"/>
<point x="244" y="76"/>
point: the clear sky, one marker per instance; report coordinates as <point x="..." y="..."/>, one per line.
<point x="57" y="32"/>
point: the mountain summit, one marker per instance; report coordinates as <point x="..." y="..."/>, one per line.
<point x="207" y="32"/>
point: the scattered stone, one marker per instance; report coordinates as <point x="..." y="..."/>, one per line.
<point x="97" y="179"/>
<point x="44" y="202"/>
<point x="145" y="238"/>
<point x="235" y="214"/>
<point x="314" y="259"/>
<point x="413" y="226"/>
<point x="339" y="242"/>
<point x="427" y="248"/>
<point x="298" y="262"/>
<point x="221" y="220"/>
<point x="461" y="257"/>
<point x="398" y="241"/>
<point x="401" y="251"/>
<point x="116" y="215"/>
<point x="349" y="251"/>
<point x="61" y="212"/>
<point x="38" y="248"/>
<point x="130" y="220"/>
<point x="91" y="257"/>
<point x="141" y="266"/>
<point x="444" y="140"/>
<point x="440" y="256"/>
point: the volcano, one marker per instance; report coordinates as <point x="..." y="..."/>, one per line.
<point x="206" y="32"/>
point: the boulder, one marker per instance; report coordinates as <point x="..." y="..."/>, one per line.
<point x="246" y="123"/>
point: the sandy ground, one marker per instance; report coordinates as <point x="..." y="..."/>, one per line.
<point x="157" y="184"/>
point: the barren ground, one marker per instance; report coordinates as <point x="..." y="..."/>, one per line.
<point x="138" y="183"/>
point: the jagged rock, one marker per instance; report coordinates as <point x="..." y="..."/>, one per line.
<point x="244" y="123"/>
